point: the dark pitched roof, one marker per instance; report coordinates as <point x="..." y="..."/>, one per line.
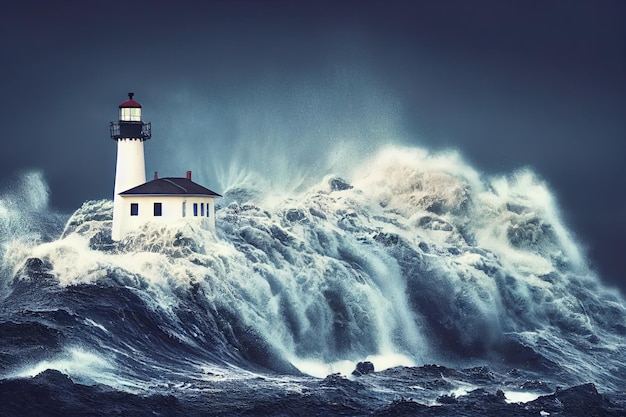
<point x="170" y="186"/>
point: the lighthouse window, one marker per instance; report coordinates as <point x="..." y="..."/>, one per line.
<point x="134" y="209"/>
<point x="202" y="209"/>
<point x="195" y="209"/>
<point x="130" y="114"/>
<point x="157" y="209"/>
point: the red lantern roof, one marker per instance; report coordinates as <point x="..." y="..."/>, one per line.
<point x="130" y="102"/>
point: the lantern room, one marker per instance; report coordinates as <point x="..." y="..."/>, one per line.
<point x="130" y="125"/>
<point x="130" y="110"/>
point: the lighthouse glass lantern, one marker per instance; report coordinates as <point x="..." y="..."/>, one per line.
<point x="130" y="114"/>
<point x="130" y="125"/>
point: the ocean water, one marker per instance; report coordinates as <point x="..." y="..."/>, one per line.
<point x="467" y="293"/>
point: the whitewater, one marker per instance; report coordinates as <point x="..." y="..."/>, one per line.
<point x="415" y="258"/>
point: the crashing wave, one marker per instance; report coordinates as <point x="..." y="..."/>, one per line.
<point x="417" y="258"/>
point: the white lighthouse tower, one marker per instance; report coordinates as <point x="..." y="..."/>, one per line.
<point x="130" y="132"/>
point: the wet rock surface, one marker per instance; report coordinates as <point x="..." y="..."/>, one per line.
<point x="363" y="368"/>
<point x="52" y="393"/>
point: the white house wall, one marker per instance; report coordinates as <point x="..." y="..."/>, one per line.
<point x="171" y="210"/>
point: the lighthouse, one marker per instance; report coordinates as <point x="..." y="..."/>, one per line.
<point x="162" y="200"/>
<point x="130" y="132"/>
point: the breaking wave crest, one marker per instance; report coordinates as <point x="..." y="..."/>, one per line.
<point x="24" y="209"/>
<point x="415" y="259"/>
<point x="25" y="217"/>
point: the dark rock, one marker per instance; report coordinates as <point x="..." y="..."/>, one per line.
<point x="576" y="401"/>
<point x="317" y="213"/>
<point x="435" y="223"/>
<point x="363" y="368"/>
<point x="294" y="215"/>
<point x="453" y="250"/>
<point x="52" y="393"/>
<point x="436" y="207"/>
<point x="281" y="235"/>
<point x="438" y="384"/>
<point x="483" y="397"/>
<point x="447" y="399"/>
<point x="185" y="242"/>
<point x="37" y="266"/>
<point x="480" y="373"/>
<point x="37" y="272"/>
<point x="402" y="407"/>
<point x="536" y="385"/>
<point x="387" y="239"/>
<point x="333" y="379"/>
<point x="338" y="184"/>
<point x="53" y="377"/>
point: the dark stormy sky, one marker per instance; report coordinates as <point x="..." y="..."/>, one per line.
<point x="230" y="84"/>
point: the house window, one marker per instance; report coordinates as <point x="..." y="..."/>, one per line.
<point x="202" y="209"/>
<point x="184" y="208"/>
<point x="157" y="209"/>
<point x="207" y="209"/>
<point x="195" y="209"/>
<point x="134" y="209"/>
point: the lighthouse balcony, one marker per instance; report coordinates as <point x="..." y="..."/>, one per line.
<point x="130" y="130"/>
